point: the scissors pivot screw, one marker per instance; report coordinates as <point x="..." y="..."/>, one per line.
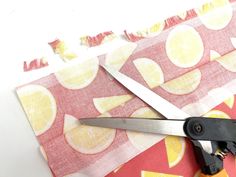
<point x="198" y="128"/>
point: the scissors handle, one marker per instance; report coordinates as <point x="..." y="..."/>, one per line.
<point x="222" y="173"/>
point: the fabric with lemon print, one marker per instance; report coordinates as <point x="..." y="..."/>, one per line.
<point x="150" y="71"/>
<point x="79" y="75"/>
<point x="215" y="15"/>
<point x="184" y="46"/>
<point x="39" y="105"/>
<point x="214" y="55"/>
<point x="175" y="55"/>
<point x="106" y="104"/>
<point x="87" y="139"/>
<point x="63" y="50"/>
<point x="118" y="57"/>
<point x="217" y="114"/>
<point x="140" y="140"/>
<point x="184" y="84"/>
<point x="175" y="148"/>
<point x="152" y="31"/>
<point x="228" y="61"/>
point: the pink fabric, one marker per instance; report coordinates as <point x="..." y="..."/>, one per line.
<point x="64" y="159"/>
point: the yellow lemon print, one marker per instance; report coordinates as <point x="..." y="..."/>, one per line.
<point x="184" y="46"/>
<point x="216" y="114"/>
<point x="156" y="28"/>
<point x="150" y="71"/>
<point x="228" y="61"/>
<point x="39" y="105"/>
<point x="184" y="84"/>
<point x="106" y="104"/>
<point x="214" y="55"/>
<point x="175" y="148"/>
<point x="155" y="174"/>
<point x="230" y="102"/>
<point x="78" y="76"/>
<point x="140" y="140"/>
<point x="233" y="41"/>
<point x="215" y="15"/>
<point x="64" y="52"/>
<point x="87" y="139"/>
<point x="119" y="56"/>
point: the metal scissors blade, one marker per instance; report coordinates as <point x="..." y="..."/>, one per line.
<point x="157" y="126"/>
<point x="158" y="103"/>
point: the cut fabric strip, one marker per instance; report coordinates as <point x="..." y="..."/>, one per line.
<point x="35" y="64"/>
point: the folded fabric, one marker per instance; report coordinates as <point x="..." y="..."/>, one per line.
<point x="183" y="64"/>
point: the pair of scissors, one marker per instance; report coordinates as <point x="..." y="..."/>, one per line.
<point x="210" y="146"/>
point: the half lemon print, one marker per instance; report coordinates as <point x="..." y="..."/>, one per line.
<point x="87" y="139"/>
<point x="150" y="71"/>
<point x="106" y="104"/>
<point x="175" y="148"/>
<point x="39" y="105"/>
<point x="228" y="61"/>
<point x="79" y="75"/>
<point x="217" y="114"/>
<point x="118" y="57"/>
<point x="184" y="84"/>
<point x="184" y="46"/>
<point x="141" y="140"/>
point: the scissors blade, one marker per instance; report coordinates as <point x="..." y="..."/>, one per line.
<point x="156" y="126"/>
<point x="158" y="103"/>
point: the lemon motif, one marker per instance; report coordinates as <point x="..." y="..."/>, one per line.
<point x="214" y="55"/>
<point x="184" y="84"/>
<point x="39" y="106"/>
<point x="228" y="61"/>
<point x="70" y="122"/>
<point x="215" y="15"/>
<point x="155" y="174"/>
<point x="118" y="57"/>
<point x="154" y="30"/>
<point x="106" y="104"/>
<point x="140" y="140"/>
<point x="157" y="28"/>
<point x="233" y="41"/>
<point x="217" y="114"/>
<point x="87" y="139"/>
<point x="184" y="46"/>
<point x="78" y="76"/>
<point x="150" y="71"/>
<point x="64" y="52"/>
<point x="175" y="148"/>
<point x="230" y="102"/>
